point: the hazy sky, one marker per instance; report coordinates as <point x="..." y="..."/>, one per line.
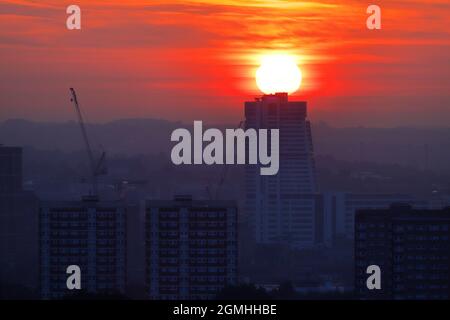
<point x="195" y="59"/>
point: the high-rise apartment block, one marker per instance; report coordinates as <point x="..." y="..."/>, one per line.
<point x="89" y="234"/>
<point x="412" y="249"/>
<point x="191" y="248"/>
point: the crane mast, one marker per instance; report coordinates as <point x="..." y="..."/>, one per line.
<point x="223" y="175"/>
<point x="95" y="168"/>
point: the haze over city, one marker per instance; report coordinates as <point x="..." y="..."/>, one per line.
<point x="186" y="150"/>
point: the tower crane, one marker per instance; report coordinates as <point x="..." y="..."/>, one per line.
<point x="97" y="168"/>
<point x="223" y="174"/>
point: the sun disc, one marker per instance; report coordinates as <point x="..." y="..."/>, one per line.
<point x="278" y="73"/>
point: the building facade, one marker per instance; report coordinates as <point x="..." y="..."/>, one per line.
<point x="191" y="248"/>
<point x="412" y="249"/>
<point x="272" y="202"/>
<point x="89" y="234"/>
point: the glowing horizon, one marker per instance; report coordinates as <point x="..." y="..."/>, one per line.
<point x="173" y="59"/>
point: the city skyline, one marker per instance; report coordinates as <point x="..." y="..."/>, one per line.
<point x="140" y="59"/>
<point x="224" y="149"/>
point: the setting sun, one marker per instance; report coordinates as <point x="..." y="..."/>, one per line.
<point x="278" y="73"/>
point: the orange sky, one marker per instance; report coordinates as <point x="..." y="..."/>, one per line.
<point x="195" y="59"/>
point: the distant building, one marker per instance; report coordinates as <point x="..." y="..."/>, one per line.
<point x="18" y="227"/>
<point x="191" y="248"/>
<point x="89" y="234"/>
<point x="279" y="214"/>
<point x="340" y="208"/>
<point x="412" y="248"/>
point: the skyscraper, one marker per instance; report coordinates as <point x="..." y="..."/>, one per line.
<point x="89" y="234"/>
<point x="191" y="248"/>
<point x="412" y="249"/>
<point x="275" y="204"/>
